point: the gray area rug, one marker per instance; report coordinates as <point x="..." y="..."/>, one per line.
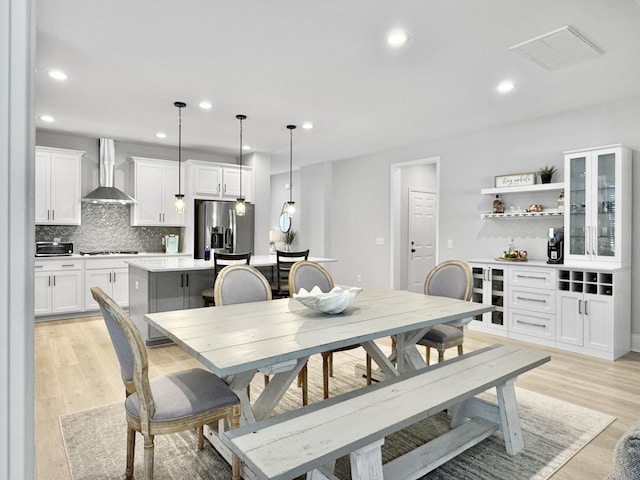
<point x="553" y="431"/>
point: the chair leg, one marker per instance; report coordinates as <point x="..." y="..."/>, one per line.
<point x="200" y="430"/>
<point x="459" y="349"/>
<point x="131" y="449"/>
<point x="304" y="381"/>
<point x="331" y="364"/>
<point x="368" y="369"/>
<point x="148" y="457"/>
<point x="325" y="373"/>
<point x="428" y="355"/>
<point x="440" y="356"/>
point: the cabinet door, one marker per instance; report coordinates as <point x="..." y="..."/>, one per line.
<point x="148" y="194"/>
<point x="207" y="181"/>
<point x="42" y="293"/>
<point x="65" y="189"/>
<point x="169" y="291"/>
<point x="66" y="291"/>
<point x="606" y="217"/>
<point x="231" y="183"/>
<point x="569" y="318"/>
<point x="196" y="282"/>
<point x="489" y="288"/>
<point x="120" y="286"/>
<point x="42" y="187"/>
<point x="598" y="319"/>
<point x="169" y="191"/>
<point x="576" y="229"/>
<point x="96" y="278"/>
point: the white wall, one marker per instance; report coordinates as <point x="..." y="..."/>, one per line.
<point x="279" y="195"/>
<point x="360" y="187"/>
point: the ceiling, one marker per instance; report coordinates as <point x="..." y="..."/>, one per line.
<point x="289" y="61"/>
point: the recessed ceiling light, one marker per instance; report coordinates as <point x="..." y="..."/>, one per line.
<point x="397" y="38"/>
<point x="47" y="118"/>
<point x="161" y="135"/>
<point x="505" y="86"/>
<point x="205" y="105"/>
<point x="57" y="74"/>
<point x="246" y="147"/>
<point x="307" y="125"/>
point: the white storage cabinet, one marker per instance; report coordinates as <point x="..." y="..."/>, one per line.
<point x="112" y="275"/>
<point x="57" y="186"/>
<point x="58" y="287"/>
<point x="216" y="181"/>
<point x="489" y="288"/>
<point x="155" y="184"/>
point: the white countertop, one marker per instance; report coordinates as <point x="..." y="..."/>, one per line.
<point x="77" y="256"/>
<point x="173" y="264"/>
<point x="542" y="263"/>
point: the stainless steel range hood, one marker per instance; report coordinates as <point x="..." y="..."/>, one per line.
<point x="106" y="192"/>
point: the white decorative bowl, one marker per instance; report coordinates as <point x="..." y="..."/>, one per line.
<point x="335" y="301"/>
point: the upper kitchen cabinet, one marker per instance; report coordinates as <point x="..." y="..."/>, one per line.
<point x="215" y="181"/>
<point x="598" y="205"/>
<point x="155" y="184"/>
<point x="57" y="186"/>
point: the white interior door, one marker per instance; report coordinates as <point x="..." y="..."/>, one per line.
<point x="422" y="237"/>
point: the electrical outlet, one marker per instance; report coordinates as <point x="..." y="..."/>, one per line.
<point x="380" y="241"/>
<point x="359" y="278"/>
<point x="449" y="243"/>
<point x="137" y="285"/>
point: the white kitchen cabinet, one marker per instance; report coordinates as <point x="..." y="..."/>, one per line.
<point x="57" y="186"/>
<point x="110" y="275"/>
<point x="155" y="184"/>
<point x="532" y="303"/>
<point x="598" y="205"/>
<point x="489" y="288"/>
<point x="216" y="181"/>
<point x="594" y="311"/>
<point x="58" y="287"/>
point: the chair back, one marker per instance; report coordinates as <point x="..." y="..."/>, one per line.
<point x="306" y="274"/>
<point x="284" y="262"/>
<point x="221" y="260"/>
<point x="452" y="278"/>
<point x="131" y="353"/>
<point x="240" y="284"/>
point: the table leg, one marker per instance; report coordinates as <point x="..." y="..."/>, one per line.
<point x="275" y="390"/>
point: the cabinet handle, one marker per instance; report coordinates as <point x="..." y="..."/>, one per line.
<point x="531" y="277"/>
<point x="580" y="307"/>
<point x="182" y="280"/>
<point x="532" y="324"/>
<point x="586" y="311"/>
<point x="54" y="280"/>
<point x="53" y="215"/>
<point x="109" y="277"/>
<point x="218" y="188"/>
<point x="49" y="280"/>
<point x="114" y="277"/>
<point x="225" y="188"/>
<point x="163" y="218"/>
<point x="187" y="275"/>
<point x="532" y="299"/>
<point x="39" y="266"/>
<point x="68" y="265"/>
<point x="595" y="240"/>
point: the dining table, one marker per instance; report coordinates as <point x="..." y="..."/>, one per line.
<point x="235" y="341"/>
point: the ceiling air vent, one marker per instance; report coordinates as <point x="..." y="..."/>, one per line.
<point x="558" y="49"/>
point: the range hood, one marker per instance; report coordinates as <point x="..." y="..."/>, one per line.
<point x="106" y="192"/>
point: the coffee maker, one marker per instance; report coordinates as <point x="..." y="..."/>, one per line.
<point x="555" y="246"/>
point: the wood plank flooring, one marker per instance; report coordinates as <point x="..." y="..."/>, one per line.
<point x="76" y="369"/>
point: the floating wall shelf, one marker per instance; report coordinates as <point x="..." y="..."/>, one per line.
<point x="522" y="214"/>
<point x="540" y="187"/>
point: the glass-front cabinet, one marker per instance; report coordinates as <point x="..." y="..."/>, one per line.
<point x="597" y="205"/>
<point x="489" y="287"/>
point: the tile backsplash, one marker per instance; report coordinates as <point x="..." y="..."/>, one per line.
<point x="106" y="227"/>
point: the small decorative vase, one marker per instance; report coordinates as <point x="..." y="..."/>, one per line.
<point x="545" y="178"/>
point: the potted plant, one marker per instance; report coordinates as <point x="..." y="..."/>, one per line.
<point x="288" y="239"/>
<point x="546" y="173"/>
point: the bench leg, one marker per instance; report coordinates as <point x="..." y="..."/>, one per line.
<point x="509" y="418"/>
<point x="323" y="473"/>
<point x="366" y="462"/>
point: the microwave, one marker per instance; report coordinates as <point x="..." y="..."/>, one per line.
<point x="53" y="249"/>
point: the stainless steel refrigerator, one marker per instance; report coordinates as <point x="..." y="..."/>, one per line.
<point x="218" y="227"/>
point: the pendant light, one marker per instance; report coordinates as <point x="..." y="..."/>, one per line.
<point x="179" y="201"/>
<point x="241" y="207"/>
<point x="290" y="206"/>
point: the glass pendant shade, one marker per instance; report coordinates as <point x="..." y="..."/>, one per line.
<point x="290" y="208"/>
<point x="178" y="203"/>
<point x="241" y="207"/>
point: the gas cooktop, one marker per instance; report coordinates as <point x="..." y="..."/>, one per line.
<point x="110" y="252"/>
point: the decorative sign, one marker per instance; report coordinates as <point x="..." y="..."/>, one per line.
<point x="515" y="180"/>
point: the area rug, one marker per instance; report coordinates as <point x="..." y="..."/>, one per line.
<point x="553" y="432"/>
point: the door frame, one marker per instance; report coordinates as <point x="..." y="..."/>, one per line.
<point x="397" y="215"/>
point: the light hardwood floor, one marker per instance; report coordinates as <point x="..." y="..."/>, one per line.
<point x="76" y="369"/>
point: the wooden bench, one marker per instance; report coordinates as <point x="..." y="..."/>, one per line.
<point x="310" y="439"/>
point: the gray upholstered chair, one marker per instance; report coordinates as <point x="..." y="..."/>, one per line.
<point x="453" y="279"/>
<point x="306" y="274"/>
<point x="245" y="284"/>
<point x="284" y="262"/>
<point x="167" y="404"/>
<point x="221" y="260"/>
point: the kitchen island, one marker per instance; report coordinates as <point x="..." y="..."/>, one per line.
<point x="175" y="283"/>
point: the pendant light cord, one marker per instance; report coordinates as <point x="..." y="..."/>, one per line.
<point x="179" y="150"/>
<point x="291" y="129"/>
<point x="241" y="118"/>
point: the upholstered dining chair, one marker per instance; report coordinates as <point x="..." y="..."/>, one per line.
<point x="306" y="274"/>
<point x="221" y="260"/>
<point x="453" y="279"/>
<point x="284" y="262"/>
<point x="245" y="284"/>
<point x="167" y="404"/>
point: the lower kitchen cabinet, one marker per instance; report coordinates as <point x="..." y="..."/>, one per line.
<point x="489" y="288"/>
<point x="112" y="276"/>
<point x="58" y="287"/>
